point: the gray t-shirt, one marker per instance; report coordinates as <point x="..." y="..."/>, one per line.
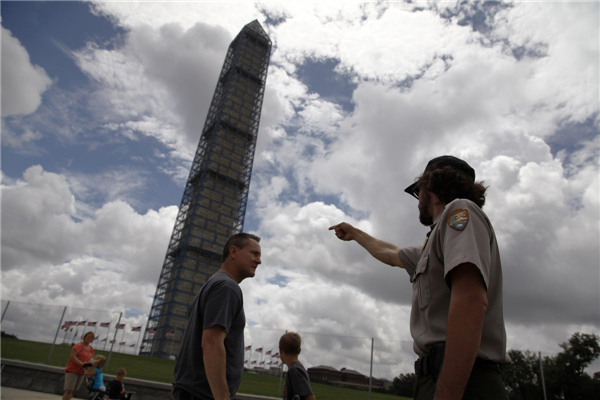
<point x="297" y="382"/>
<point x="462" y="233"/>
<point x="219" y="302"/>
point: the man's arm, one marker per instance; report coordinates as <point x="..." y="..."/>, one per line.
<point x="213" y="348"/>
<point x="383" y="251"/>
<point x="468" y="305"/>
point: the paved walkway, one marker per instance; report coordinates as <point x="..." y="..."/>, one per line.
<point x="14" y="394"/>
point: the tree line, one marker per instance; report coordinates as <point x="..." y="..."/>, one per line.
<point x="564" y="375"/>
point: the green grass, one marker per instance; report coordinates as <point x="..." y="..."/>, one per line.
<point x="161" y="370"/>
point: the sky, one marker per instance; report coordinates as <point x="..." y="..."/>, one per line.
<point x="103" y="104"/>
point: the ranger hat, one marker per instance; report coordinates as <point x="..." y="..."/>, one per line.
<point x="441" y="162"/>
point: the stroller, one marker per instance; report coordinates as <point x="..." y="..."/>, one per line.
<point x="95" y="394"/>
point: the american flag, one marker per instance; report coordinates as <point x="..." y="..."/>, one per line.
<point x="81" y="323"/>
<point x="136" y="329"/>
<point x="253" y="362"/>
<point x="92" y="323"/>
<point x="105" y="324"/>
<point x="121" y="326"/>
<point x="151" y="330"/>
<point x="276" y="355"/>
<point x="132" y="345"/>
<point x="103" y="340"/>
<point x="259" y="350"/>
<point x="248" y="348"/>
<point x="170" y="334"/>
<point x="268" y="352"/>
<point x="121" y="343"/>
<point x="112" y="341"/>
<point x="262" y="362"/>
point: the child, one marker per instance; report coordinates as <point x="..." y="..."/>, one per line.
<point x="97" y="363"/>
<point x="297" y="382"/>
<point x="116" y="390"/>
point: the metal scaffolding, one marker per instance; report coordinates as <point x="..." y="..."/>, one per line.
<point x="213" y="206"/>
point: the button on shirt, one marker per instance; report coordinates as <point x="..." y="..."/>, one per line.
<point x="462" y="233"/>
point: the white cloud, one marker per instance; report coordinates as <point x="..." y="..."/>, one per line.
<point x="22" y="83"/>
<point x="114" y="255"/>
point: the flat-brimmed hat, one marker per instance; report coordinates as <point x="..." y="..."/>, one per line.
<point x="441" y="162"/>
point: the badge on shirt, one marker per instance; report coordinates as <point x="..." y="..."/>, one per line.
<point x="459" y="219"/>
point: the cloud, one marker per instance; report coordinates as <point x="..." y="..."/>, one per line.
<point x="114" y="249"/>
<point x="22" y="83"/>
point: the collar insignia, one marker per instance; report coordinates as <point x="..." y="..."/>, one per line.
<point x="458" y="219"/>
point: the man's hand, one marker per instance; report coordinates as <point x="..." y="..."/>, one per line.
<point x="343" y="231"/>
<point x="383" y="251"/>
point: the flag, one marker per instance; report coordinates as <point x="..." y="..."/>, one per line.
<point x="248" y="348"/>
<point x="112" y="341"/>
<point x="105" y="324"/>
<point x="136" y="329"/>
<point x="81" y="323"/>
<point x="276" y="355"/>
<point x="262" y="362"/>
<point x="151" y="330"/>
<point x="170" y="334"/>
<point x="253" y="362"/>
<point x="121" y="343"/>
<point x="92" y="323"/>
<point x="97" y="337"/>
<point x="103" y="340"/>
<point x="268" y="352"/>
<point x="259" y="350"/>
<point x="132" y="345"/>
<point x="65" y="327"/>
<point x="121" y="326"/>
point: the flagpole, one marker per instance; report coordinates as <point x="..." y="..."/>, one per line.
<point x="4" y="312"/>
<point x="122" y="337"/>
<point x="55" y="336"/>
<point x="66" y="331"/>
<point x="113" y="343"/>
<point x="138" y="341"/>
<point x="107" y="332"/>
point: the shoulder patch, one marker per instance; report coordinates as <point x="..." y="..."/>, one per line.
<point x="459" y="219"/>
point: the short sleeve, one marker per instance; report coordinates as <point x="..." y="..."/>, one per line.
<point x="466" y="238"/>
<point x="300" y="382"/>
<point x="409" y="257"/>
<point x="223" y="305"/>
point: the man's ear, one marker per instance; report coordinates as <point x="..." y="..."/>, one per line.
<point x="233" y="252"/>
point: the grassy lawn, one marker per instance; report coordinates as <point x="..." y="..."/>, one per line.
<point x="161" y="370"/>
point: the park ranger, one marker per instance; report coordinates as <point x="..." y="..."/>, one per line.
<point x="456" y="321"/>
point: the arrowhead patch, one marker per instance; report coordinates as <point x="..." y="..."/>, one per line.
<point x="458" y="219"/>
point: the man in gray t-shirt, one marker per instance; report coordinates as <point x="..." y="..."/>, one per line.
<point x="457" y="321"/>
<point x="210" y="363"/>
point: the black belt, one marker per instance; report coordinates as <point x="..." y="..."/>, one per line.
<point x="431" y="364"/>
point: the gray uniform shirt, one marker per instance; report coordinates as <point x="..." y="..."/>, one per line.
<point x="462" y="233"/>
<point x="219" y="302"/>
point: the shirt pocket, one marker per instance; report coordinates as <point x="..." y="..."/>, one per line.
<point x="422" y="285"/>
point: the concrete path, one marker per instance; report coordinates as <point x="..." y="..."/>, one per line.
<point x="14" y="394"/>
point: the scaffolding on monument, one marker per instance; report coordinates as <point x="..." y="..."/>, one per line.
<point x="214" y="201"/>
